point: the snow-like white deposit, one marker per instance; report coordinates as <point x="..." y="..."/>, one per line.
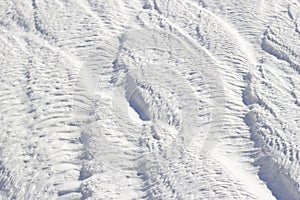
<point x="149" y="99"/>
